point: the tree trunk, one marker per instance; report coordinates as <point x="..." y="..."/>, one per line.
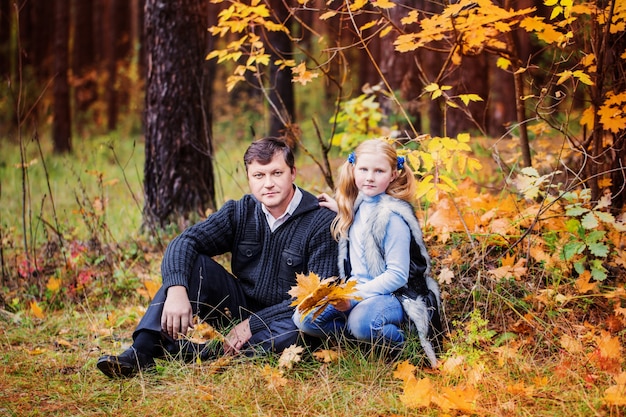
<point x="281" y="94"/>
<point x="62" y="123"/>
<point x="110" y="62"/>
<point x="5" y="39"/>
<point x="178" y="170"/>
<point x="83" y="61"/>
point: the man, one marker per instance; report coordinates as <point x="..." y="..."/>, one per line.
<point x="273" y="233"/>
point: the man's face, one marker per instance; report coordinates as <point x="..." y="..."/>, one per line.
<point x="272" y="184"/>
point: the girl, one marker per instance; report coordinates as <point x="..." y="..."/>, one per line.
<point x="381" y="247"/>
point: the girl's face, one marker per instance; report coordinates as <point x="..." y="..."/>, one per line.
<point x="373" y="174"/>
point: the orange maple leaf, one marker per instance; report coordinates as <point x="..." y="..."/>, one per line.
<point x="508" y="270"/>
<point x="36" y="310"/>
<point x="404" y="371"/>
<point x="417" y="393"/>
<point x="616" y="394"/>
<point x="583" y="285"/>
<point x="457" y="398"/>
<point x="609" y="346"/>
<point x="326" y="355"/>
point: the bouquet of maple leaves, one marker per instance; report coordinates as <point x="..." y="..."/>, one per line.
<point x="313" y="293"/>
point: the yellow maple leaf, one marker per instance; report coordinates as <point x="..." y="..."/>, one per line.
<point x="384" y="4"/>
<point x="404" y="371"/>
<point x="312" y="293"/>
<point x="328" y="15"/>
<point x="357" y="5"/>
<point x="302" y="75"/>
<point x="54" y="284"/>
<point x="457" y="398"/>
<point x="273" y="377"/>
<point x="36" y="310"/>
<point x="290" y="356"/>
<point x="616" y="394"/>
<point x="417" y="393"/>
<point x="305" y="285"/>
<point x="326" y="355"/>
<point x="612" y="113"/>
<point x="587" y="118"/>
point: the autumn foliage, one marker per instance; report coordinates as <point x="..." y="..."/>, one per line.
<point x="525" y="230"/>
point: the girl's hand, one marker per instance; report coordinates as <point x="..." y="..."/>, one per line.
<point x="327" y="201"/>
<point x="342" y="305"/>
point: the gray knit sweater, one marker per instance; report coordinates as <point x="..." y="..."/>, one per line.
<point x="265" y="262"/>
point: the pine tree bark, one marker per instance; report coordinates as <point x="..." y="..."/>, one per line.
<point x="178" y="171"/>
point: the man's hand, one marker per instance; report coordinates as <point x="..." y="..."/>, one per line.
<point x="237" y="337"/>
<point x="177" y="315"/>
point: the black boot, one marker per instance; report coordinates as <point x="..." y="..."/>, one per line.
<point x="125" y="365"/>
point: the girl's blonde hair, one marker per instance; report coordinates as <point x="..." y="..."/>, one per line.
<point x="402" y="187"/>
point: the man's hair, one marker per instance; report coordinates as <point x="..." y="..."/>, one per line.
<point x="263" y="150"/>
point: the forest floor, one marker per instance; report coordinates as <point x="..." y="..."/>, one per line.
<point x="527" y="334"/>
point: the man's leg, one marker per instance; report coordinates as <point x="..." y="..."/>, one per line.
<point x="274" y="337"/>
<point x="215" y="296"/>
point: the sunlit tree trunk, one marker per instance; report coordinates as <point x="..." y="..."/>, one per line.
<point x="178" y="171"/>
<point x="61" y="130"/>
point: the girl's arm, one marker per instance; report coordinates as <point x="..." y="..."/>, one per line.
<point x="327" y="201"/>
<point x="397" y="255"/>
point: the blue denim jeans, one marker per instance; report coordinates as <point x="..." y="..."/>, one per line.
<point x="376" y="319"/>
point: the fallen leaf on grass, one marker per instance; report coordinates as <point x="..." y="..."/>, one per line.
<point x="583" y="284"/>
<point x="616" y="394"/>
<point x="203" y="332"/>
<point x="519" y="388"/>
<point x="445" y="276"/>
<point x="417" y="393"/>
<point x="218" y="365"/>
<point x="290" y="356"/>
<point x="273" y="377"/>
<point x="36" y="310"/>
<point x="326" y="355"/>
<point x="571" y="345"/>
<point x="608" y="354"/>
<point x="457" y="398"/>
<point x="404" y="371"/>
<point x="508" y="269"/>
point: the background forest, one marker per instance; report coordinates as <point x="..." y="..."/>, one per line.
<point x="124" y="121"/>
